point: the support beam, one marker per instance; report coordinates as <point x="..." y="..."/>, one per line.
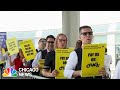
<point x="70" y="26"/>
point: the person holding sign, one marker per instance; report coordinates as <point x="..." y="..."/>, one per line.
<point x="41" y="47"/>
<point x="73" y="66"/>
<point x="41" y="44"/>
<point x="19" y="61"/>
<point x="49" y="65"/>
<point x="5" y="57"/>
<point x="42" y="54"/>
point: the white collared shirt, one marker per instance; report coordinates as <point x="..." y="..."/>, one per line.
<point x="116" y="74"/>
<point x="73" y="60"/>
<point x="37" y="58"/>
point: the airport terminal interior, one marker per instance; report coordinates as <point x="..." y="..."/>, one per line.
<point x="39" y="24"/>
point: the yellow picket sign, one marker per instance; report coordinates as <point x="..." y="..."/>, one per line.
<point x="3" y="52"/>
<point x="12" y="46"/>
<point x="1" y="62"/>
<point x="28" y="49"/>
<point x="41" y="63"/>
<point x="61" y="57"/>
<point x="92" y="59"/>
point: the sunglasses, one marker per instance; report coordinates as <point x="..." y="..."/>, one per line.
<point x="50" y="42"/>
<point x="85" y="33"/>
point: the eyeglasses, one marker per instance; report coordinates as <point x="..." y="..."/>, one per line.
<point x="50" y="42"/>
<point x="43" y="42"/>
<point x="85" y="33"/>
<point x="62" y="40"/>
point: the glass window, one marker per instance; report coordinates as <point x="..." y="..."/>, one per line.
<point x="117" y="39"/>
<point x="100" y="28"/>
<point x="117" y="53"/>
<point x="118" y="26"/>
<point x="21" y="34"/>
<point x="45" y="33"/>
<point x="51" y="32"/>
<point x="100" y="39"/>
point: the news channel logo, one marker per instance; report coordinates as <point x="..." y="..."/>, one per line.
<point x="10" y="72"/>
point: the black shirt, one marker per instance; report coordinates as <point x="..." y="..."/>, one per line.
<point x="50" y="61"/>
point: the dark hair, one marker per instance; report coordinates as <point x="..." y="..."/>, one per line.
<point x="42" y="39"/>
<point x="50" y="36"/>
<point x="78" y="44"/>
<point x="6" y="49"/>
<point x="18" y="54"/>
<point x="80" y="28"/>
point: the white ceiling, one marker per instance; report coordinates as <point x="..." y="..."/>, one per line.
<point x="29" y="20"/>
<point x="99" y="17"/>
